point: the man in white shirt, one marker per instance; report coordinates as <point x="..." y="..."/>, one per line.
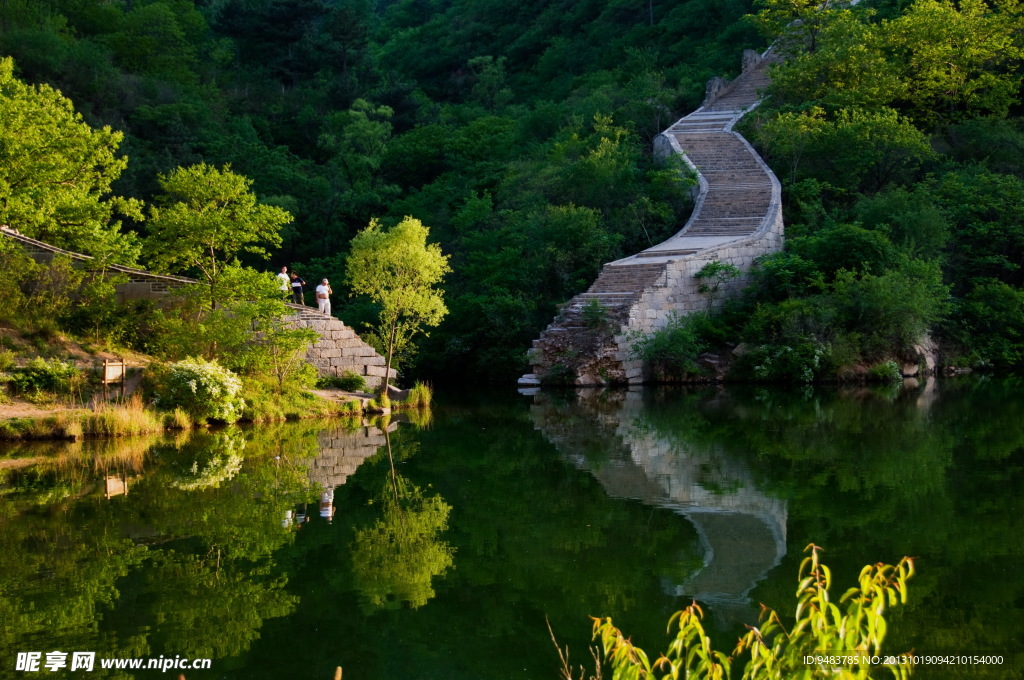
<point x="286" y="283"/>
<point x="323" y="297"/>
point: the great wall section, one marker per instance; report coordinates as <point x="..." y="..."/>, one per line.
<point x="337" y="350"/>
<point x="737" y="217"/>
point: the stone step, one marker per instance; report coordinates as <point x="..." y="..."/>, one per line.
<point x="665" y="253"/>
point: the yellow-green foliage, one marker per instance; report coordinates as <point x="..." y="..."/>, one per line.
<point x="263" y="402"/>
<point x="773" y="652"/>
<point x="63" y="426"/>
<point x="120" y="420"/>
<point x="177" y="420"/>
<point x="67" y="426"/>
<point x="420" y="395"/>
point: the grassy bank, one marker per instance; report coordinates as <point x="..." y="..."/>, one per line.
<point x="133" y="418"/>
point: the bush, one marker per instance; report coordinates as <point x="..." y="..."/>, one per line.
<point x="801" y="362"/>
<point x="41" y="376"/>
<point x="595" y="315"/>
<point x="672" y="351"/>
<point x="886" y="372"/>
<point x="204" y="390"/>
<point x="891" y="311"/>
<point x="6" y="360"/>
<point x="348" y="381"/>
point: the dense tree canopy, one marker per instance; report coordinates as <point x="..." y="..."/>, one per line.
<point x="56" y="171"/>
<point x="206" y="218"/>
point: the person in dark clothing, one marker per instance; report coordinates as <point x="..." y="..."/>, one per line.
<point x="297" y="284"/>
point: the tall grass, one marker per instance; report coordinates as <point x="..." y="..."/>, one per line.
<point x="177" y="419"/>
<point x="65" y="425"/>
<point x="121" y="420"/>
<point x="420" y="395"/>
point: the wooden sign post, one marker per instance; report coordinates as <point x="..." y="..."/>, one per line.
<point x="113" y="372"/>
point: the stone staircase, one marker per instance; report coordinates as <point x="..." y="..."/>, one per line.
<point x="737" y="218"/>
<point x="339" y="349"/>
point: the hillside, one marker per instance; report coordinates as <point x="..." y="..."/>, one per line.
<point x="521" y="134"/>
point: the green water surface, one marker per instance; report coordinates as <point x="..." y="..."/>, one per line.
<point x="443" y="549"/>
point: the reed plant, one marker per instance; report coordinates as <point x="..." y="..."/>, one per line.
<point x="420" y="395"/>
<point x="128" y="418"/>
<point x="65" y="425"/>
<point x="178" y="419"/>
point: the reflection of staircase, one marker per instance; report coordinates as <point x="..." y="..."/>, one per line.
<point x="742" y="531"/>
<point x="736" y="219"/>
<point x="342" y="451"/>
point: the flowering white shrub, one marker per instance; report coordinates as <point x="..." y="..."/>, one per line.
<point x="206" y="390"/>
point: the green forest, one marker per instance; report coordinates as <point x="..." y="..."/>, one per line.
<point x="520" y="135"/>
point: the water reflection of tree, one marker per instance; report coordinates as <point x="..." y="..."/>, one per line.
<point x="162" y="569"/>
<point x="395" y="560"/>
<point x="875" y="476"/>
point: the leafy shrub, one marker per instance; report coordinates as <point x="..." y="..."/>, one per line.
<point x="348" y="381"/>
<point x="891" y="311"/>
<point x="6" y="360"/>
<point x="784" y="363"/>
<point x="713" y="275"/>
<point x="886" y="371"/>
<point x="853" y="625"/>
<point x="991" y="322"/>
<point x="40" y="376"/>
<point x="559" y="374"/>
<point x="594" y="314"/>
<point x="204" y="390"/>
<point x="671" y="352"/>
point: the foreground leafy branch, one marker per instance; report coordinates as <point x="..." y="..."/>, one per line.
<point x="824" y="641"/>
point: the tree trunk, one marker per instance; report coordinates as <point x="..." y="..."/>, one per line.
<point x="391" y="353"/>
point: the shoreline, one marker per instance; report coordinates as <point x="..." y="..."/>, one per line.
<point x="72" y="424"/>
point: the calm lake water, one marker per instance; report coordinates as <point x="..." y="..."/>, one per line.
<point x="440" y="550"/>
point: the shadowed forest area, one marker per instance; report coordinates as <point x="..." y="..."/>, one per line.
<point x="520" y="134"/>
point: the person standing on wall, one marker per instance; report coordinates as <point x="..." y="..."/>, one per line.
<point x="298" y="283"/>
<point x="285" y="283"/>
<point x="323" y="297"/>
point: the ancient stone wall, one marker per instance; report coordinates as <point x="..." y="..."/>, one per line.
<point x="737" y="218"/>
<point x="141" y="285"/>
<point x="339" y="349"/>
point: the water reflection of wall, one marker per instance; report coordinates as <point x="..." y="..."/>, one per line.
<point x="342" y="451"/>
<point x="742" y="530"/>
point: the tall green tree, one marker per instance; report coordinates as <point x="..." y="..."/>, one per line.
<point x="399" y="271"/>
<point x="206" y="218"/>
<point x="56" y="172"/>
